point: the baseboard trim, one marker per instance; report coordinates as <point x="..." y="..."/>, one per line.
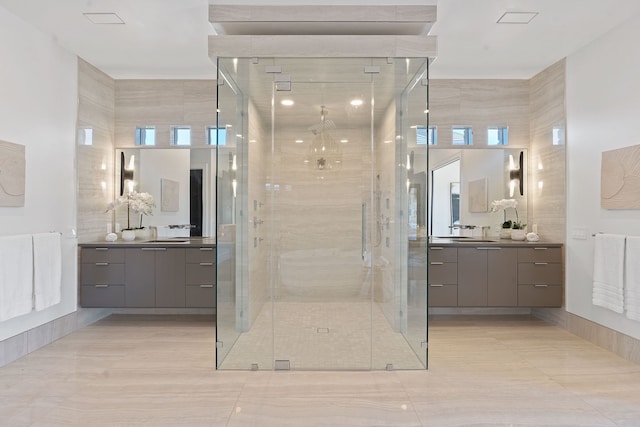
<point x="616" y="342"/>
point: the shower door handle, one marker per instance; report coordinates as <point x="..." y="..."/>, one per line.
<point x="364" y="230"/>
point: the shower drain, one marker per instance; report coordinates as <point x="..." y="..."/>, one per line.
<point x="322" y="330"/>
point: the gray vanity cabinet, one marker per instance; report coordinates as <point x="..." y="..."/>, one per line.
<point x="472" y="277"/>
<point x="140" y="277"/>
<point x="144" y="276"/>
<point x="170" y="278"/>
<point x="502" y="277"/>
<point x="200" y="277"/>
<point x="443" y="276"/>
<point x="487" y="277"/>
<point x="155" y="277"/>
<point x="540" y="277"/>
<point x="102" y="277"/>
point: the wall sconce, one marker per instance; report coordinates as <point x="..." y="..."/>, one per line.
<point x="126" y="174"/>
<point x="516" y="175"/>
<point x="233" y="166"/>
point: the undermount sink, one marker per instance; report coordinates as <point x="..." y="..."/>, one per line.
<point x="465" y="239"/>
<point x="167" y="241"/>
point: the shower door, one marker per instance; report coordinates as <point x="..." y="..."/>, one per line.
<point x="320" y="177"/>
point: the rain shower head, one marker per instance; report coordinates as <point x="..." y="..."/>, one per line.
<point x="325" y="124"/>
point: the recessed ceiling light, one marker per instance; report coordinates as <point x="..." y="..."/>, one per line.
<point x="344" y="141"/>
<point x="356" y="102"/>
<point x="103" y="18"/>
<point x="517" y="17"/>
<point x="287" y="102"/>
<point x="299" y="141"/>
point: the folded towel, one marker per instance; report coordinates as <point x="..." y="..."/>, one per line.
<point x="16" y="276"/>
<point x="608" y="272"/>
<point x="632" y="278"/>
<point x="47" y="270"/>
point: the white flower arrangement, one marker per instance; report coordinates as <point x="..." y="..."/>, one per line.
<point x="142" y="203"/>
<point x="503" y="205"/>
<point x="499" y="205"/>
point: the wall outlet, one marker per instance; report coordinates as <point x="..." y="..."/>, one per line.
<point x="579" y="233"/>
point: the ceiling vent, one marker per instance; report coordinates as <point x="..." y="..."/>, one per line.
<point x="103" y="18"/>
<point x="517" y="17"/>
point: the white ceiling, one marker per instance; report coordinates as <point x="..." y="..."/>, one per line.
<point x="168" y="38"/>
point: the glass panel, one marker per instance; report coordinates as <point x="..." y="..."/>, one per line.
<point x="231" y="230"/>
<point x="316" y="190"/>
<point x="426" y="136"/>
<point x="413" y="301"/>
<point x="216" y="136"/>
<point x="322" y="220"/>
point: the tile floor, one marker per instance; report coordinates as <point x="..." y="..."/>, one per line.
<point x="484" y="371"/>
<point x="323" y="336"/>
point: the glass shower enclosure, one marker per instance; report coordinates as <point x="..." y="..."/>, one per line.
<point x="321" y="196"/>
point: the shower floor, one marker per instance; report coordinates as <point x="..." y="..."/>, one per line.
<point x="322" y="336"/>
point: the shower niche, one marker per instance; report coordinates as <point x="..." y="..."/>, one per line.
<point x="315" y="180"/>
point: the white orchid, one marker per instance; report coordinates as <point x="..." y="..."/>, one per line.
<point x="499" y="205"/>
<point x="503" y="205"/>
<point x="142" y="203"/>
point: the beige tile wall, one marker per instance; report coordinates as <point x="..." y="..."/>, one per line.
<point x="164" y="103"/>
<point x="96" y="110"/>
<point x="548" y="162"/>
<point x="480" y="103"/>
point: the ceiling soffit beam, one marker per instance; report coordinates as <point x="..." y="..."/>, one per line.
<point x="331" y="46"/>
<point x="322" y="20"/>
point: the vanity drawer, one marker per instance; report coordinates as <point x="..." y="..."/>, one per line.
<point x="443" y="254"/>
<point x="540" y="254"/>
<point x="443" y="274"/>
<point x="204" y="254"/>
<point x="102" y="273"/>
<point x="201" y="296"/>
<point x="539" y="295"/>
<point x="541" y="273"/>
<point x="102" y="295"/>
<point x="102" y="254"/>
<point x="443" y="295"/>
<point x="203" y="273"/>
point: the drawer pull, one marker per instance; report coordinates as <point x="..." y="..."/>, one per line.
<point x="206" y="286"/>
<point x="436" y="248"/>
<point x="101" y="249"/>
<point x="540" y="249"/>
<point x="206" y="263"/>
<point x="540" y="263"/>
<point x="102" y="263"/>
<point x="540" y="286"/>
<point x="102" y="286"/>
<point x="154" y="249"/>
<point x="206" y="249"/>
<point x="437" y="263"/>
<point x="488" y="248"/>
<point x="436" y="286"/>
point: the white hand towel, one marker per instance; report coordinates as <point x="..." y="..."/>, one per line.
<point x="47" y="269"/>
<point x="608" y="272"/>
<point x="16" y="276"/>
<point x="632" y="279"/>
